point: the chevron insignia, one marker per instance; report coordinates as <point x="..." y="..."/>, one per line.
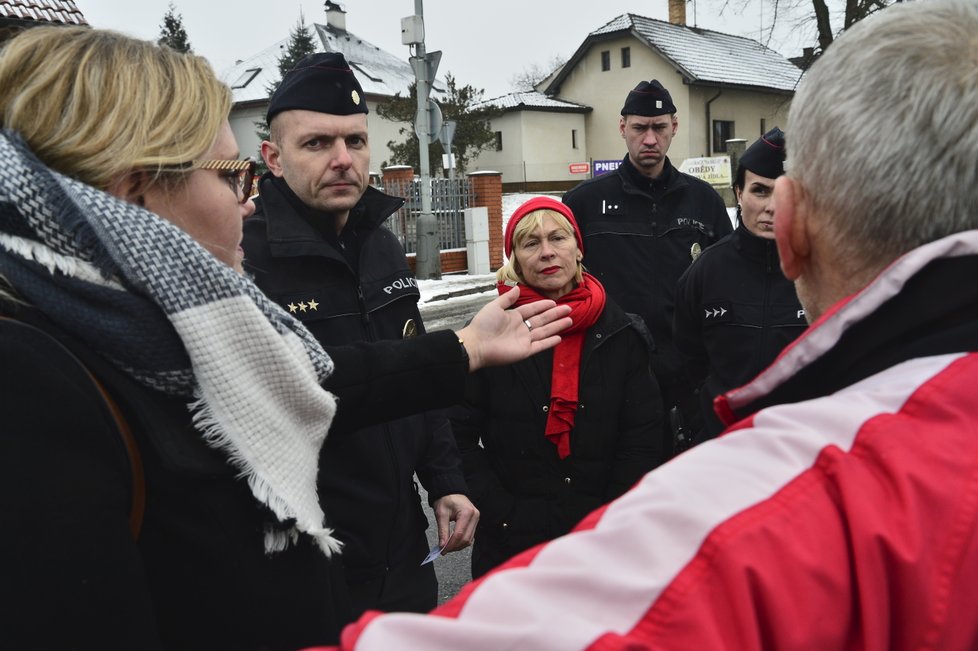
<point x="716" y="312"/>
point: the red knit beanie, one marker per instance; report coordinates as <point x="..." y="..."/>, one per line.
<point x="540" y="203"/>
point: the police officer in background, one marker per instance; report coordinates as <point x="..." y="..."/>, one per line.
<point x="735" y="310"/>
<point x="317" y="245"/>
<point x="643" y="224"/>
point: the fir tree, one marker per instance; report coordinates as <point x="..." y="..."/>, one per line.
<point x="301" y="42"/>
<point x="172" y="33"/>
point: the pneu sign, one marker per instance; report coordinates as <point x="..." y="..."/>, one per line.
<point x="604" y="166"/>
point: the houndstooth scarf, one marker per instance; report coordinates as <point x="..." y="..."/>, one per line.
<point x="148" y="298"/>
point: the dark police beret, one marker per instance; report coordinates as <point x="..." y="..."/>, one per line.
<point x="321" y="82"/>
<point x="649" y="98"/>
<point x="765" y="157"/>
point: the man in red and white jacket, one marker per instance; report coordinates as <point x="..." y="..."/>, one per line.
<point x="841" y="510"/>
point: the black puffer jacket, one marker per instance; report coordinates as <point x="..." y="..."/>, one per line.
<point x="525" y="493"/>
<point x="366" y="477"/>
<point x="735" y="311"/>
<point x="639" y="236"/>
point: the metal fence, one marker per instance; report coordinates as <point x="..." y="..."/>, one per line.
<point x="449" y="197"/>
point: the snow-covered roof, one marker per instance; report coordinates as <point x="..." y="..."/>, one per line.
<point x="379" y="72"/>
<point x="532" y="100"/>
<point x="701" y="55"/>
<point x="43" y="11"/>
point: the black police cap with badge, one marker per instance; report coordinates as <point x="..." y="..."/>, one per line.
<point x="320" y="82"/>
<point x="765" y="157"/>
<point x="648" y="99"/>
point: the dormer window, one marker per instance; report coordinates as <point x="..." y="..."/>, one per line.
<point x="245" y="78"/>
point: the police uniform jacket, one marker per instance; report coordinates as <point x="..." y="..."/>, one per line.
<point x="367" y="476"/>
<point x="198" y="575"/>
<point x="639" y="237"/>
<point x="524" y="492"/>
<point x="735" y="311"/>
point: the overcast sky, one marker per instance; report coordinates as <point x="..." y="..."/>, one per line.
<point x="484" y="44"/>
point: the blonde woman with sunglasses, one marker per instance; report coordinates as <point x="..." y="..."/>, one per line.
<point x="162" y="419"/>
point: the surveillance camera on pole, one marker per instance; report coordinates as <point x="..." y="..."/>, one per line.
<point x="427" y="126"/>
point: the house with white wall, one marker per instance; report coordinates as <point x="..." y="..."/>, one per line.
<point x="381" y="74"/>
<point x="536" y="137"/>
<point x="724" y="87"/>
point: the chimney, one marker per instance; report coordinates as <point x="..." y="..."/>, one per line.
<point x="677" y="12"/>
<point x="335" y="16"/>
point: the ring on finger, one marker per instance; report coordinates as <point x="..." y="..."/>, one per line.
<point x="529" y="326"/>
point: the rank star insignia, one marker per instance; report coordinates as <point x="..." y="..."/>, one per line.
<point x="313" y="305"/>
<point x="293" y="307"/>
<point x="355" y="96"/>
<point x="303" y="307"/>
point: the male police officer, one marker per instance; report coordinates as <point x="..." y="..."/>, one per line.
<point x="735" y="310"/>
<point x="644" y="223"/>
<point x="318" y="246"/>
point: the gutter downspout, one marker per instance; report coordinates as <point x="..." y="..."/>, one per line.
<point x="709" y="123"/>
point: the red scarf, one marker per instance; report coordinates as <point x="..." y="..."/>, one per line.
<point x="587" y="303"/>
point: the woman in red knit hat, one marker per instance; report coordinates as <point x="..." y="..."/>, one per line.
<point x="564" y="431"/>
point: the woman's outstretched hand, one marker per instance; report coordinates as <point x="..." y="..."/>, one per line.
<point x="498" y="335"/>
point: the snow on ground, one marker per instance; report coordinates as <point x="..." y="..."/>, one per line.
<point x="454" y="285"/>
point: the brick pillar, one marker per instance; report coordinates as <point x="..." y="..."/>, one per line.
<point x="488" y="189"/>
<point x="396" y="179"/>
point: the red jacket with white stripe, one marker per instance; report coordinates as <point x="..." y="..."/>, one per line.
<point x="840" y="513"/>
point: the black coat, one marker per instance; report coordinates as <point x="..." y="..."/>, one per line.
<point x="198" y="577"/>
<point x="525" y="493"/>
<point x="735" y="311"/>
<point x="357" y="288"/>
<point x="638" y="239"/>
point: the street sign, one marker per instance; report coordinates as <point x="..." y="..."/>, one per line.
<point x="579" y="168"/>
<point x="433" y="116"/>
<point x="448" y="132"/>
<point x="715" y="170"/>
<point x="605" y="166"/>
<point x="426" y="68"/>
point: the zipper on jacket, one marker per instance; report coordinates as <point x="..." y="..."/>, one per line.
<point x="371" y="335"/>
<point x="765" y="334"/>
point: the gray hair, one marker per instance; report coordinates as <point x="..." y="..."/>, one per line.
<point x="884" y="131"/>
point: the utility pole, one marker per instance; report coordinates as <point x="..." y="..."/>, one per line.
<point x="427" y="125"/>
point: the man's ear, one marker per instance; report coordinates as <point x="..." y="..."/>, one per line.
<point x="791" y="214"/>
<point x="271" y="153"/>
<point x="621" y="126"/>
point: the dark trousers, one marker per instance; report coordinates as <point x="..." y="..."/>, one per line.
<point x="406" y="587"/>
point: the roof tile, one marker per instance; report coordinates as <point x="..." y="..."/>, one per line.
<point x="49" y="11"/>
<point x="709" y="56"/>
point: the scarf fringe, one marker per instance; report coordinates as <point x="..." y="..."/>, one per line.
<point x="55" y="262"/>
<point x="276" y="540"/>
